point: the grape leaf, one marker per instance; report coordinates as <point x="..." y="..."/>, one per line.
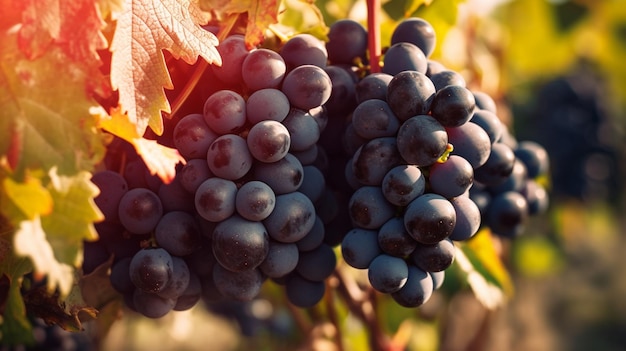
<point x="161" y="160"/>
<point x="44" y="120"/>
<point x="260" y="15"/>
<point x="302" y="16"/>
<point x="138" y="69"/>
<point x="486" y="274"/>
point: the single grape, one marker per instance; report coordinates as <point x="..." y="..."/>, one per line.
<point x="112" y="186"/>
<point x="467" y="218"/>
<point x="255" y="200"/>
<point x="498" y="166"/>
<point x="417" y="31"/>
<point x="283" y="176"/>
<point x="434" y="257"/>
<point x="240" y="244"/>
<point x="451" y="178"/>
<point x="453" y="105"/>
<point x="422" y="140"/>
<point x="387" y="274"/>
<point x="447" y="77"/>
<point x="229" y="157"/>
<point x="233" y="52"/>
<point x="267" y="104"/>
<point x="193" y="173"/>
<point x="374" y="119"/>
<point x="314" y="238"/>
<point x="317" y="264"/>
<point x="152" y="305"/>
<point x="342" y="98"/>
<point x="215" y="199"/>
<point x="225" y="112"/>
<point x="404" y="57"/>
<point x="534" y="157"/>
<point x="507" y="213"/>
<point x="303" y="129"/>
<point x="178" y="233"/>
<point x="140" y="210"/>
<point x="302" y="292"/>
<point x="347" y="41"/>
<point x="304" y="49"/>
<point x="192" y="136"/>
<point x="359" y="247"/>
<point x="402" y="184"/>
<point x="394" y="240"/>
<point x="268" y="141"/>
<point x="369" y="209"/>
<point x="177" y="285"/>
<point x="373" y="86"/>
<point x="262" y="69"/>
<point x="471" y="142"/>
<point x="238" y="286"/>
<point x="307" y="86"/>
<point x="430" y="218"/>
<point x="282" y="259"/>
<point x="489" y="122"/>
<point x="151" y="269"/>
<point x="374" y="159"/>
<point x="293" y="217"/>
<point x="410" y="93"/>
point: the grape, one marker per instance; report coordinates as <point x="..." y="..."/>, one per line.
<point x="536" y="196"/>
<point x="489" y="122"/>
<point x="394" y="240"/>
<point x="215" y="199"/>
<point x="151" y="269"/>
<point x="138" y="175"/>
<point x="417" y="290"/>
<point x="229" y="157"/>
<point x="225" y="112"/>
<point x="515" y="181"/>
<point x="255" y="201"/>
<point x="534" y="157"/>
<point x="191" y="295"/>
<point x="112" y="188"/>
<point x="304" y="49"/>
<point x="373" y="86"/>
<point x="374" y="119"/>
<point x="177" y="285"/>
<point x="281" y="259"/>
<point x="447" y="77"/>
<point x="417" y="31"/>
<point x="307" y="86"/>
<point x="507" y="213"/>
<point x="359" y="247"/>
<point x="304" y="293"/>
<point x="263" y="68"/>
<point x="402" y="184"/>
<point x="152" y="305"/>
<point x="293" y="217"/>
<point x="192" y="136"/>
<point x="342" y="98"/>
<point x="369" y="209"/>
<point x="498" y="166"/>
<point x="430" y="218"/>
<point x="239" y="286"/>
<point x="404" y="57"/>
<point x="303" y="129"/>
<point x="268" y="141"/>
<point x="374" y="159"/>
<point x="467" y="218"/>
<point x="193" y="173"/>
<point x="178" y="233"/>
<point x="422" y="140"/>
<point x="267" y="104"/>
<point x="434" y="67"/>
<point x="387" y="274"/>
<point x="313" y="184"/>
<point x="471" y="142"/>
<point x="140" y="210"/>
<point x="485" y="102"/>
<point x="308" y="156"/>
<point x="174" y="197"/>
<point x="240" y="244"/>
<point x="233" y="52"/>
<point x="434" y="257"/>
<point x="314" y="237"/>
<point x="453" y="105"/>
<point x="317" y="264"/>
<point x="284" y="176"/>
<point x="120" y="276"/>
<point x="410" y="93"/>
<point x="438" y="279"/>
<point x="452" y="177"/>
<point x="347" y="41"/>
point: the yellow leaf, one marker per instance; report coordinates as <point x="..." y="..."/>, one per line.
<point x="30" y="197"/>
<point x="161" y="160"/>
<point x="138" y="70"/>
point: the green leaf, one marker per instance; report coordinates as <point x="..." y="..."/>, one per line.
<point x="15" y="328"/>
<point x="302" y="17"/>
<point x="44" y="112"/>
<point x="31" y="198"/>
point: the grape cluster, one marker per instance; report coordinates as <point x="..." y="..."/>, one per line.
<point x="292" y="153"/>
<point x="427" y="162"/>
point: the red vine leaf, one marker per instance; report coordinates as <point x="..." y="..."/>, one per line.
<point x="138" y="69"/>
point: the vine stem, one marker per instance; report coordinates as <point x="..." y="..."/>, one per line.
<point x="373" y="35"/>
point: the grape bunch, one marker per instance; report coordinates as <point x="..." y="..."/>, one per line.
<point x="292" y="153"/>
<point x="426" y="159"/>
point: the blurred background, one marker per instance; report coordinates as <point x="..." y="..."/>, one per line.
<point x="556" y="69"/>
